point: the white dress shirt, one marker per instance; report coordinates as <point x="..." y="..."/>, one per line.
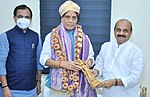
<point x="124" y="62"/>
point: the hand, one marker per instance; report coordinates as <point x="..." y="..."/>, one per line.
<point x="89" y="63"/>
<point x="95" y="72"/>
<point x="6" y="92"/>
<point x="108" y="83"/>
<point x="38" y="87"/>
<point x="70" y="65"/>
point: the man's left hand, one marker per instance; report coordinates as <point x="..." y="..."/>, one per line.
<point x="38" y="87"/>
<point x="89" y="63"/>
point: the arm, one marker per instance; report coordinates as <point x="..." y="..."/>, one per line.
<point x="132" y="71"/>
<point x="38" y="78"/>
<point x="5" y="88"/>
<point x="111" y="82"/>
<point x="133" y="75"/>
<point x="136" y="69"/>
<point x="46" y="58"/>
<point x="46" y="51"/>
<point x="39" y="67"/>
<point x="4" y="49"/>
<point x="90" y="60"/>
<point x="98" y="68"/>
<point x="38" y="52"/>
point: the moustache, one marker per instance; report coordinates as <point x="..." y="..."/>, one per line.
<point x="121" y="35"/>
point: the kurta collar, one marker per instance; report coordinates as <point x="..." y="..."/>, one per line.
<point x="20" y="30"/>
<point x="122" y="45"/>
<point x="70" y="32"/>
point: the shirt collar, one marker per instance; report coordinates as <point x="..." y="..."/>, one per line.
<point x="20" y="30"/>
<point x="121" y="45"/>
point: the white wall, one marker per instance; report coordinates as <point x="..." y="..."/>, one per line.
<point x="6" y="16"/>
<point x="138" y="12"/>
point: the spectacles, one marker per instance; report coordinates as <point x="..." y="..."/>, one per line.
<point x="69" y="17"/>
<point x="20" y="16"/>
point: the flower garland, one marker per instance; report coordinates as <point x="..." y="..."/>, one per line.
<point x="60" y="53"/>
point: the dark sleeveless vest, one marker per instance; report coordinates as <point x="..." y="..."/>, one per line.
<point x="21" y="62"/>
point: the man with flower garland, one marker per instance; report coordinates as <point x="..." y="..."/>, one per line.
<point x="62" y="50"/>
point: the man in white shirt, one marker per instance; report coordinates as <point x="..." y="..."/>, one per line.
<point x="63" y="48"/>
<point x="120" y="63"/>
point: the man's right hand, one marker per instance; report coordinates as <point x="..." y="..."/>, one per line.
<point x="70" y="65"/>
<point x="95" y="72"/>
<point x="7" y="92"/>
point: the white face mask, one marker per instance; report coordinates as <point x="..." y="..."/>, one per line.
<point x="23" y="23"/>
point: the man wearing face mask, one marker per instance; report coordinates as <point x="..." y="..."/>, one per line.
<point x="20" y="47"/>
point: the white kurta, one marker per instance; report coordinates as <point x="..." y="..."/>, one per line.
<point x="46" y="51"/>
<point x="46" y="54"/>
<point x="124" y="62"/>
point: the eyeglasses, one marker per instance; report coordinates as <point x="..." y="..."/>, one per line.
<point x="74" y="18"/>
<point x="20" y="16"/>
